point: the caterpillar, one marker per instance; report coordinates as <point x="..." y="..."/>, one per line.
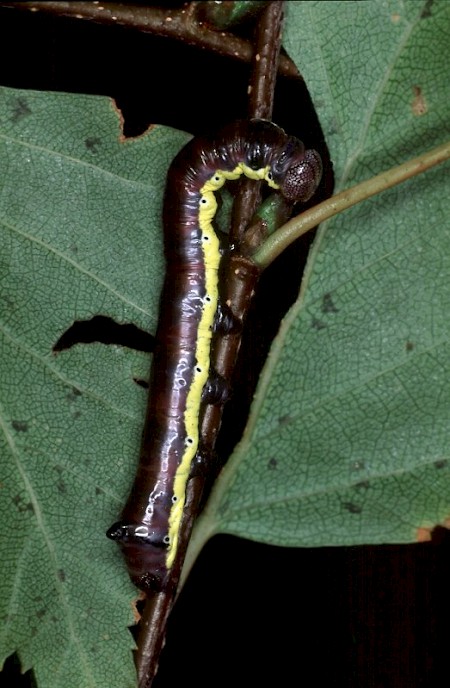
<point x="148" y="531"/>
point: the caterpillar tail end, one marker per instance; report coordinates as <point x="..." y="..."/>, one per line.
<point x="144" y="554"/>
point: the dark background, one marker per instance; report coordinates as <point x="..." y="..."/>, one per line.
<point x="361" y="617"/>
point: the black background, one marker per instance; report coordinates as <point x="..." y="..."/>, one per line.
<point x="362" y="617"/>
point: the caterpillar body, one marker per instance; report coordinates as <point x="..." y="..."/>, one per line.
<point x="148" y="531"/>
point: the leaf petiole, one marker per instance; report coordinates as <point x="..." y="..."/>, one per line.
<point x="303" y="223"/>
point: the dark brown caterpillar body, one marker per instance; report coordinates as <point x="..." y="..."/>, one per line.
<point x="148" y="531"/>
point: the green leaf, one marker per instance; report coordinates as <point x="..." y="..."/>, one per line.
<point x="79" y="217"/>
<point x="348" y="440"/>
<point x="349" y="433"/>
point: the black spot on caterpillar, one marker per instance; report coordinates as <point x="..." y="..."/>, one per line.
<point x="149" y="527"/>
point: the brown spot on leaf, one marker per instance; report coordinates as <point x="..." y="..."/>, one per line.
<point x="20" y="425"/>
<point x="20" y="109"/>
<point x="61" y="486"/>
<point x="22" y="505"/>
<point x="419" y="105"/>
<point x="92" y="143"/>
<point x="426" y="12"/>
<point x="409" y="346"/>
<point x="328" y="305"/>
<point x="142" y="383"/>
<point x="317" y="324"/>
<point x="272" y="463"/>
<point x="362" y="485"/>
<point x="424" y="534"/>
<point x="352" y="508"/>
<point x="73" y="394"/>
<point x="134" y="606"/>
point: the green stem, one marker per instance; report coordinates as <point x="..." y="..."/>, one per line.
<point x="301" y="224"/>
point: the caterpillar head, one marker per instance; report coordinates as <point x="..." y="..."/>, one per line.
<point x="297" y="171"/>
<point x="302" y="179"/>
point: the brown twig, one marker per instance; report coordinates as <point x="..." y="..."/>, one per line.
<point x="181" y="25"/>
<point x="239" y="277"/>
<point x="152" y="627"/>
<point x="261" y="91"/>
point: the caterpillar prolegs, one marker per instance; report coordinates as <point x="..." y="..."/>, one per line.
<point x="149" y="527"/>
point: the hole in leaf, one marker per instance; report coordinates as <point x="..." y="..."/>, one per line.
<point x="12" y="674"/>
<point x="105" y="330"/>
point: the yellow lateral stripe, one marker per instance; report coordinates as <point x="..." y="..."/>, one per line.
<point x="211" y="259"/>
